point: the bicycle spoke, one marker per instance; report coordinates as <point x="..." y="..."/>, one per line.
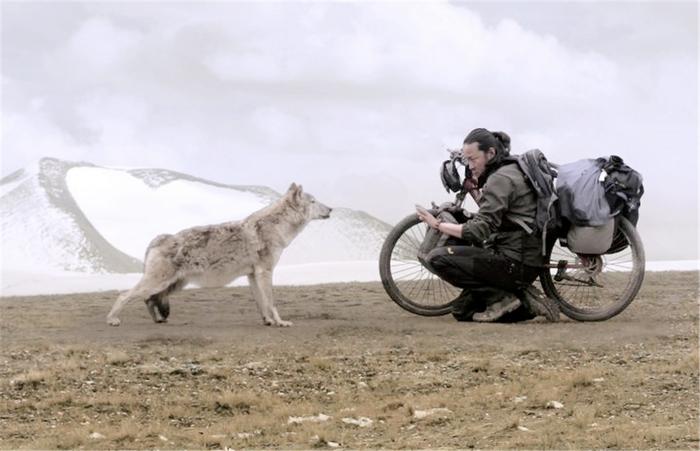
<point x="593" y="284"/>
<point x="408" y="282"/>
<point x="414" y="274"/>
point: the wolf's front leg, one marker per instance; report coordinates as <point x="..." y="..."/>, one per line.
<point x="261" y="285"/>
<point x="258" y="296"/>
<point x="155" y="307"/>
<point x="266" y="279"/>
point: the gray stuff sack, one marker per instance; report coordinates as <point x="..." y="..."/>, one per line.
<point x="592" y="240"/>
<point x="582" y="194"/>
<point x="434" y="239"/>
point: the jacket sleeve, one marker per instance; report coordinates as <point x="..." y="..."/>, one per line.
<point x="494" y="203"/>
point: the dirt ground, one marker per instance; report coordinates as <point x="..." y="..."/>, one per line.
<point x="355" y="371"/>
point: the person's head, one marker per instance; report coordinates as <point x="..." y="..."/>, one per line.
<point x="483" y="148"/>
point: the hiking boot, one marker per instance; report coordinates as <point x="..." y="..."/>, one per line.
<point x="516" y="316"/>
<point x="496" y="310"/>
<point x="540" y="304"/>
<point x="463" y="307"/>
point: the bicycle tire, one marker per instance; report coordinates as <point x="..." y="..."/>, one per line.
<point x="425" y="294"/>
<point x="619" y="271"/>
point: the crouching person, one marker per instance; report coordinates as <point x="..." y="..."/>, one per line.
<point x="491" y="256"/>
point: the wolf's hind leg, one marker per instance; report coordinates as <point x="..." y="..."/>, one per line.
<point x="144" y="289"/>
<point x="123" y="299"/>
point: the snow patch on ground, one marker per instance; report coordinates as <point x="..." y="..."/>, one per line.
<point x="27" y="283"/>
<point x="30" y="282"/>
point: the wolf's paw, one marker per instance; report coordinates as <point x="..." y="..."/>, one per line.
<point x="282" y="323"/>
<point x="268" y="321"/>
<point x="113" y="321"/>
<point x="162" y="320"/>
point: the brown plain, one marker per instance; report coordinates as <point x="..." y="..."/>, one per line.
<point x="215" y="377"/>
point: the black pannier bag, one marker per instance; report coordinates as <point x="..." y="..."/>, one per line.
<point x="623" y="190"/>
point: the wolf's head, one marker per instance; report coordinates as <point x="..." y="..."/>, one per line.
<point x="307" y="204"/>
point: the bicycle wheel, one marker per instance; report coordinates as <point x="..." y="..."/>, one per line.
<point x="598" y="287"/>
<point x="405" y="279"/>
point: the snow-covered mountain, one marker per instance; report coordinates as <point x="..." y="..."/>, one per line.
<point x="72" y="216"/>
<point x="44" y="228"/>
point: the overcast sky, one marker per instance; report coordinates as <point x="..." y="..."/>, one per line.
<point x="357" y="101"/>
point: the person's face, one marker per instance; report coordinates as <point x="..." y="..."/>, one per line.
<point x="476" y="159"/>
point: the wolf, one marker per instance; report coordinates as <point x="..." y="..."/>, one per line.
<point x="215" y="255"/>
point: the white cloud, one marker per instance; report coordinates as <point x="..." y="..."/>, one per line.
<point x="360" y="92"/>
<point x="100" y="45"/>
<point x="430" y="48"/>
<point x="32" y="136"/>
<point x="115" y="117"/>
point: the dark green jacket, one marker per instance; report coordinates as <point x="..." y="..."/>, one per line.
<point x="506" y="198"/>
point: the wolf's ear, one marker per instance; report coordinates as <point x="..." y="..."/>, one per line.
<point x="297" y="194"/>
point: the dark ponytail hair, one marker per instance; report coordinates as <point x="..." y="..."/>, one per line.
<point x="504" y="140"/>
<point x="486" y="139"/>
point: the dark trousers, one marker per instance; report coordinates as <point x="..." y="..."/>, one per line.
<point x="487" y="275"/>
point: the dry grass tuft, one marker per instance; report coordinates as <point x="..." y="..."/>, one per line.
<point x="239" y="403"/>
<point x="583" y="416"/>
<point x="321" y="363"/>
<point x="59" y="400"/>
<point x="581" y="378"/>
<point x="117" y="358"/>
<point x="688" y="365"/>
<point x="30" y="379"/>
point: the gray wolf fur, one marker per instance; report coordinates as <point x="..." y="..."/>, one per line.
<point x="215" y="255"/>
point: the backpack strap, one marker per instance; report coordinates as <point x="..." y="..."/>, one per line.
<point x="521" y="221"/>
<point x="539" y="173"/>
<point x="550" y="217"/>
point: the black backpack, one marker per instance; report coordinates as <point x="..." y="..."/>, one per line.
<point x="540" y="175"/>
